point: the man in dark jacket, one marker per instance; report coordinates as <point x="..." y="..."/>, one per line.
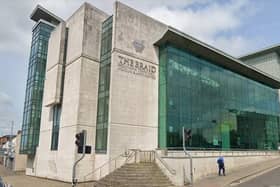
<point x="221" y="165"/>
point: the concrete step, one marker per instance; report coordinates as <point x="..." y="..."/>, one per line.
<point x="126" y="183"/>
<point x="133" y="182"/>
<point x="161" y="179"/>
<point x="136" y="175"/>
<point x="139" y="172"/>
<point x="152" y="165"/>
<point x="148" y="185"/>
<point x="133" y="176"/>
<point x="139" y="168"/>
<point x="136" y="179"/>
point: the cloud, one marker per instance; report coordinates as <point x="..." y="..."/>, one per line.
<point x="204" y="19"/>
<point x="14" y="33"/>
<point x="233" y="45"/>
<point x="5" y="100"/>
<point x="213" y="23"/>
<point x="216" y="22"/>
<point x="7" y="113"/>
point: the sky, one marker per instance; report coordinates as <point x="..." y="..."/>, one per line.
<point x="234" y="26"/>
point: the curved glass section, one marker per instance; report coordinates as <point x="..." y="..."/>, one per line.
<point x="223" y="109"/>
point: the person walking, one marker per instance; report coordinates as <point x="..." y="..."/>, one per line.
<point x="221" y="164"/>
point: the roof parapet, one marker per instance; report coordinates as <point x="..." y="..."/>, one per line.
<point x="264" y="51"/>
<point x="217" y="57"/>
<point x="40" y="13"/>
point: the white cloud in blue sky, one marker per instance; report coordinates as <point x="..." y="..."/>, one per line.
<point x="209" y="22"/>
<point x="235" y="26"/>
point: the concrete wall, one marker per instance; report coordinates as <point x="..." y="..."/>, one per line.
<point x="20" y="160"/>
<point x="134" y="81"/>
<point x="268" y="63"/>
<point x="54" y="67"/>
<point x="133" y="105"/>
<point x="79" y="99"/>
<point x="205" y="163"/>
<point x="31" y="165"/>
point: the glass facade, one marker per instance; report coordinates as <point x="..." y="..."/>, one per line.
<point x="34" y="88"/>
<point x="104" y="87"/>
<point x="55" y="128"/>
<point x="223" y="109"/>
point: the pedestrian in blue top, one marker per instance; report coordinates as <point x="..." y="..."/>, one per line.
<point x="221" y="165"/>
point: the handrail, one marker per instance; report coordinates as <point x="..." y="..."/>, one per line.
<point x="109" y="161"/>
<point x="220" y="149"/>
<point x="129" y="156"/>
<point x="172" y="171"/>
<point x="226" y="154"/>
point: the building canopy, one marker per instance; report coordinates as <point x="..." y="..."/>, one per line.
<point x="215" y="56"/>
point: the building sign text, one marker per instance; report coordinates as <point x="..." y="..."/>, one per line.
<point x="136" y="67"/>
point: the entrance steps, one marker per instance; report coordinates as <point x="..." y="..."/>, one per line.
<point x="142" y="174"/>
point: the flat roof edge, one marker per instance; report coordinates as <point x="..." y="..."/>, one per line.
<point x="266" y="50"/>
<point x="40" y="12"/>
<point x="217" y="57"/>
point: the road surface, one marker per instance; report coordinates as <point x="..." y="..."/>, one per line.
<point x="270" y="179"/>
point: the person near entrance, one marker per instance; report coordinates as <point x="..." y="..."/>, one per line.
<point x="221" y="165"/>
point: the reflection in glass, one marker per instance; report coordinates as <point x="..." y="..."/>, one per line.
<point x="34" y="88"/>
<point x="224" y="110"/>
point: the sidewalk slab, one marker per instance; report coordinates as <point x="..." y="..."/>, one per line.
<point x="19" y="179"/>
<point x="239" y="174"/>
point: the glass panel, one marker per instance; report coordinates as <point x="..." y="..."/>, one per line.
<point x="34" y="88"/>
<point x="223" y="109"/>
<point x="56" y="125"/>
<point x="104" y="87"/>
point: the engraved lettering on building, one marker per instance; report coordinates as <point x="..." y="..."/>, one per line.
<point x="136" y="67"/>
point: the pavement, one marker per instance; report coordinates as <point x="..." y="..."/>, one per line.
<point x="240" y="175"/>
<point x="269" y="179"/>
<point x="19" y="179"/>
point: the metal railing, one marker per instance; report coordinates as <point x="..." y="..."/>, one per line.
<point x="132" y="156"/>
<point x="137" y="155"/>
<point x="111" y="164"/>
<point x="219" y="149"/>
<point x="209" y="153"/>
<point x="133" y="153"/>
<point x="146" y="156"/>
<point x="164" y="163"/>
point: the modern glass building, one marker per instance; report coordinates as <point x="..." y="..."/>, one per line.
<point x="133" y="83"/>
<point x="223" y="109"/>
<point x="35" y="80"/>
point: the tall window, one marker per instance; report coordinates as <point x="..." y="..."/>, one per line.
<point x="34" y="88"/>
<point x="223" y="109"/>
<point x="55" y="128"/>
<point x="57" y="108"/>
<point x="104" y="87"/>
